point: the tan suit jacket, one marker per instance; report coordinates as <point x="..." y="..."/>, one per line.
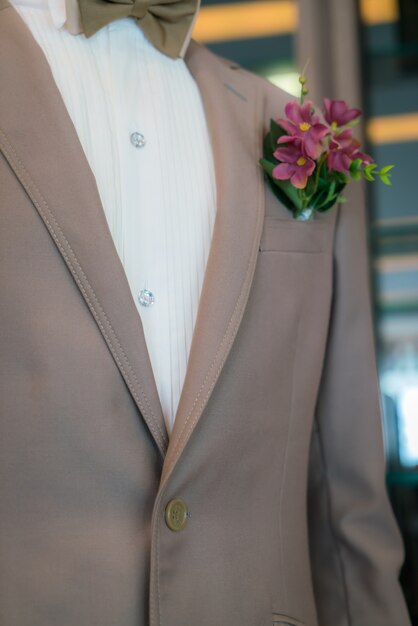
<point x="277" y="445"/>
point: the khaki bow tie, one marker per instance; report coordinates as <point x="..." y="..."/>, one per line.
<point x="167" y="24"/>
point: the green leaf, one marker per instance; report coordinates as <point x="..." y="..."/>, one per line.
<point x="276" y="131"/>
<point x="280" y="195"/>
<point x="267" y="147"/>
<point x="386" y="169"/>
<point x="270" y="139"/>
<point x="370" y="167"/>
<point x="355" y="166"/>
<point x="385" y="180"/>
<point x="339" y="177"/>
<point x="310" y="187"/>
<point x="290" y="191"/>
<point x="342" y="199"/>
<point x="330" y="202"/>
<point x="331" y="191"/>
<point x="325" y="206"/>
<point x="319" y="200"/>
<point x="283" y="189"/>
<point x="368" y="176"/>
<point x="356" y="175"/>
<point x="266" y="165"/>
<point x="325" y="197"/>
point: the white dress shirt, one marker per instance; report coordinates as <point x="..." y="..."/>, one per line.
<point x="157" y="186"/>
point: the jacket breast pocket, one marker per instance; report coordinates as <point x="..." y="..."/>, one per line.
<point x="285" y="620"/>
<point x="295" y="236"/>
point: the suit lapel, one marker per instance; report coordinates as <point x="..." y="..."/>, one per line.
<point x="62" y="188"/>
<point x="39" y="141"/>
<point x="235" y="122"/>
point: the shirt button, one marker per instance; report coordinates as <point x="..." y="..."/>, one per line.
<point x="138" y="140"/>
<point x="146" y="297"/>
<point x="176" y="514"/>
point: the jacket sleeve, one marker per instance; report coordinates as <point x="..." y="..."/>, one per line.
<point x="356" y="548"/>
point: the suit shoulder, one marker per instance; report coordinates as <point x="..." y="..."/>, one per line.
<point x="274" y="98"/>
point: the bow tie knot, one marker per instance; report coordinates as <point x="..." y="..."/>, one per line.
<point x="140" y="8"/>
<point x="167" y="24"/>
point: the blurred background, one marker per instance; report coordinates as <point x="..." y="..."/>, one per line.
<point x="364" y="51"/>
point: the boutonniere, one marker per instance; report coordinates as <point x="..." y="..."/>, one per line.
<point x="308" y="160"/>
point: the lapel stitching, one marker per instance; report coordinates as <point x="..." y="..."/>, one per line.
<point x="85" y="287"/>
<point x="193" y="415"/>
<point x="239" y="309"/>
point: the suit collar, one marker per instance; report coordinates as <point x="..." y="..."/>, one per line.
<point x="35" y="121"/>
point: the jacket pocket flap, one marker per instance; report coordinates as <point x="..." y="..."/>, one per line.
<point x="296" y="236"/>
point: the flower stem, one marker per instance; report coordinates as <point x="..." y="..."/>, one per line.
<point x="318" y="171"/>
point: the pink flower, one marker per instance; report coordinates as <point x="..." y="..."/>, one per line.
<point x="343" y="149"/>
<point x="303" y="125"/>
<point x="337" y="113"/>
<point x="295" y="165"/>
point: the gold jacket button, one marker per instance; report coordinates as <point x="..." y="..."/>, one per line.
<point x="176" y="514"/>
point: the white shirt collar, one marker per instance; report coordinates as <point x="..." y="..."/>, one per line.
<point x="57" y="9"/>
